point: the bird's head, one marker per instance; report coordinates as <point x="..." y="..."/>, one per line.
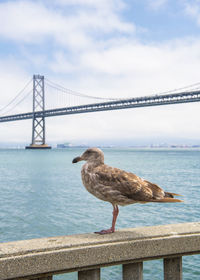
<point x="92" y="155"/>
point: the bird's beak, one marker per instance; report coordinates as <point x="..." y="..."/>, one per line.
<point x="76" y="159"/>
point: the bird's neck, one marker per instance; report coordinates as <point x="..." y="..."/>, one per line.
<point x="93" y="163"/>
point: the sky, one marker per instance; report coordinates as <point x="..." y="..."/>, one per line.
<point x="106" y="48"/>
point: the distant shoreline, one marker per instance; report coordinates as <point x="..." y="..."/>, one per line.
<point x="150" y="147"/>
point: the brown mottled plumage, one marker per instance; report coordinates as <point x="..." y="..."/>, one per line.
<point x="117" y="186"/>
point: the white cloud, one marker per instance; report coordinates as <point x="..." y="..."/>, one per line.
<point x="132" y="62"/>
<point x="62" y="64"/>
<point x="125" y="58"/>
<point x="26" y="22"/>
<point x="32" y="22"/>
<point x="12" y="79"/>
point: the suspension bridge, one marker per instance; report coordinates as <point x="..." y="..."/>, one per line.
<point x="77" y="103"/>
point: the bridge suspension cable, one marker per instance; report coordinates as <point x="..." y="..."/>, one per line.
<point x="19" y="102"/>
<point x="191" y="87"/>
<point x="71" y="92"/>
<point x="15" y="101"/>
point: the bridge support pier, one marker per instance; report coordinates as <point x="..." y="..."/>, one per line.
<point x="38" y="128"/>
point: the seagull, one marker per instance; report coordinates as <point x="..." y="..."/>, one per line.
<point x="117" y="186"/>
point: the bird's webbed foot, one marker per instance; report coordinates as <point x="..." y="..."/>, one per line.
<point x="105" y="231"/>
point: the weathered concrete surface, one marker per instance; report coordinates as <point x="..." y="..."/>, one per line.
<point x="173" y="269"/>
<point x="133" y="271"/>
<point x="93" y="274"/>
<point x="76" y="252"/>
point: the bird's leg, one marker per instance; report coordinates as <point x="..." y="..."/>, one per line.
<point x="115" y="214"/>
<point x="112" y="229"/>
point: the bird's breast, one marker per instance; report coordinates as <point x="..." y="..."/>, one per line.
<point x="88" y="178"/>
<point x="91" y="182"/>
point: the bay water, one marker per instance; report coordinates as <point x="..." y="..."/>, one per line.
<point x="41" y="195"/>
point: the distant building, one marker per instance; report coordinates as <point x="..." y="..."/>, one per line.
<point x="69" y="145"/>
<point x="64" y="145"/>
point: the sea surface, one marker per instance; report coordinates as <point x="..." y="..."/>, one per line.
<point x="41" y="195"/>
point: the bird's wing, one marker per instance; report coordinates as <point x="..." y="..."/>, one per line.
<point x="128" y="184"/>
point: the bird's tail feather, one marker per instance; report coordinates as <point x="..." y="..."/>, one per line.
<point x="167" y="199"/>
<point x="170" y="194"/>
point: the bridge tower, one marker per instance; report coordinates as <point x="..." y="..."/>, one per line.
<point x="38" y="127"/>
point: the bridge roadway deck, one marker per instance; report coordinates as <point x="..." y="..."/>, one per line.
<point x="154" y="100"/>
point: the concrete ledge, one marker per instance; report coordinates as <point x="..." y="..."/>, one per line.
<point x="86" y="251"/>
